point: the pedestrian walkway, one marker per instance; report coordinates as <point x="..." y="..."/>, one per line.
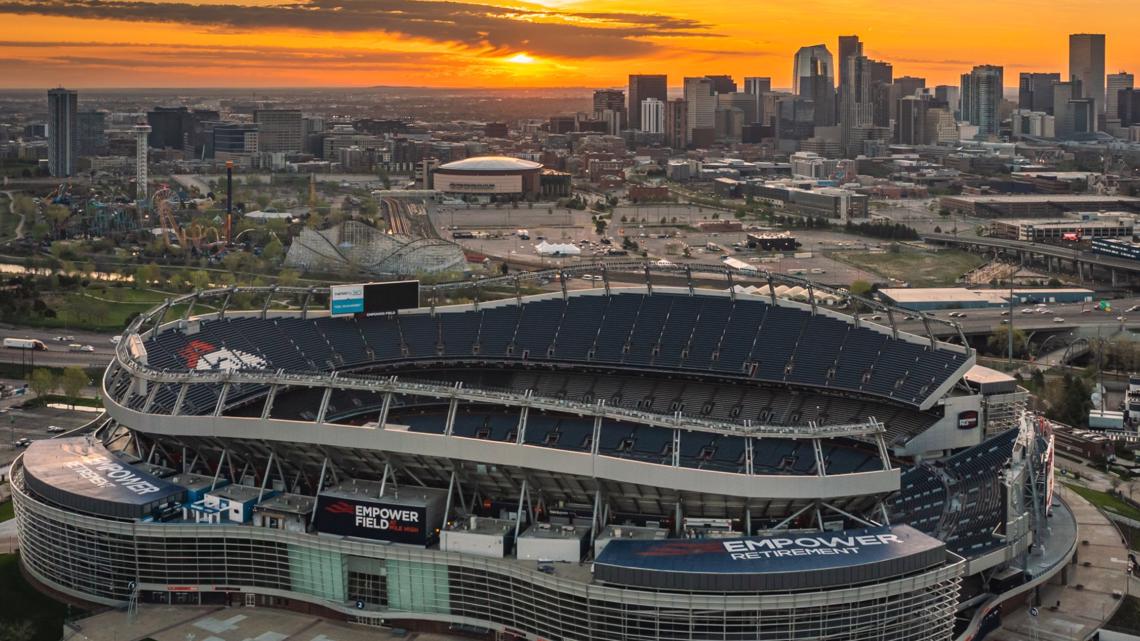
<point x="1096" y="582"/>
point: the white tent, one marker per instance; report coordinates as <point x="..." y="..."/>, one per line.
<point x="557" y="249"/>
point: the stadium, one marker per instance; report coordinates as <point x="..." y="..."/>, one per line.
<point x="615" y="463"/>
<point x="489" y="177"/>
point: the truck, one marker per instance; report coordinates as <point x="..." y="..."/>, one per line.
<point x="25" y="343"/>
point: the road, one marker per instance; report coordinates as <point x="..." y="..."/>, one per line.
<point x="1041" y="249"/>
<point x="58" y="355"/>
<point x="1077" y="316"/>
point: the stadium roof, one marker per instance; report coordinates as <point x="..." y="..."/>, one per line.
<point x="491" y="163"/>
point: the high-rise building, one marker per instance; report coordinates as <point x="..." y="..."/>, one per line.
<point x="677" y="123"/>
<point x="813" y="60"/>
<point x="235" y="141"/>
<point x="742" y="101"/>
<point x="814" y="78"/>
<point x="882" y="92"/>
<point x="857" y="113"/>
<point x="910" y="126"/>
<point x="278" y="130"/>
<point x="981" y="98"/>
<point x="651" y="116"/>
<point x="701" y="101"/>
<point x="63" y="131"/>
<point x="941" y="126"/>
<point x="1117" y="82"/>
<point x="609" y="107"/>
<point x="142" y="132"/>
<point x="1035" y="91"/>
<point x="1086" y="64"/>
<point x="756" y="85"/>
<point x="1128" y="107"/>
<point x="849" y="47"/>
<point x="949" y="94"/>
<point x="795" y="119"/>
<point x="641" y="88"/>
<point x="1084" y="115"/>
<point x="92" y="133"/>
<point x="722" y="84"/>
<point x="1063" y="94"/>
<point x="909" y="85"/>
<point x="180" y="128"/>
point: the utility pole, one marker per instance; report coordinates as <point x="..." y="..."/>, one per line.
<point x="1009" y="330"/>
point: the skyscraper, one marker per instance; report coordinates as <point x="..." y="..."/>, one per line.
<point x="92" y="133"/>
<point x="849" y="47"/>
<point x="701" y="105"/>
<point x="641" y="88"/>
<point x="609" y="106"/>
<point x="677" y="123"/>
<point x="910" y="126"/>
<point x="811" y="61"/>
<point x="279" y="130"/>
<point x="1117" y="82"/>
<point x="1086" y="64"/>
<point x="950" y="95"/>
<point x="722" y="84"/>
<point x="651" y="116"/>
<point x="981" y="98"/>
<point x="813" y="77"/>
<point x="1063" y="95"/>
<point x="63" y="131"/>
<point x="857" y="112"/>
<point x="756" y="85"/>
<point x="1035" y="91"/>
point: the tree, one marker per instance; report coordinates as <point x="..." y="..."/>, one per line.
<point x="42" y="382"/>
<point x="73" y="380"/>
<point x="998" y="342"/>
<point x="273" y="251"/>
<point x="198" y="279"/>
<point x="17" y="631"/>
<point x="860" y="288"/>
<point x="148" y="275"/>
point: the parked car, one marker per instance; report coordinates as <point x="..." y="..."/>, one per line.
<point x="1058" y="319"/>
<point x="55" y="429"/>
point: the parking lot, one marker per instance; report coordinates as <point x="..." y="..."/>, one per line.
<point x="664" y="231"/>
<point x="33" y="424"/>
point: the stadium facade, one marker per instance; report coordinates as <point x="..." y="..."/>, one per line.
<point x="489" y="178"/>
<point x="636" y="463"/>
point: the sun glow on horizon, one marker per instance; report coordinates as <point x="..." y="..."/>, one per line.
<point x="522" y="59"/>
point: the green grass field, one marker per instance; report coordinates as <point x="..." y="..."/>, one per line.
<point x="6" y="511"/>
<point x="918" y="268"/>
<point x="1127" y="618"/>
<point x="100" y="309"/>
<point x="1105" y="501"/>
<point x="21" y="604"/>
<point x="8" y="220"/>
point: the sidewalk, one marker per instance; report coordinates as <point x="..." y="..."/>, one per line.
<point x="1082" y="611"/>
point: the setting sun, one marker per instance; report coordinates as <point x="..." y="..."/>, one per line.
<point x="521" y="59"/>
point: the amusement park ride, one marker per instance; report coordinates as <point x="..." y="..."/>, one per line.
<point x="114" y="212"/>
<point x="196" y="235"/>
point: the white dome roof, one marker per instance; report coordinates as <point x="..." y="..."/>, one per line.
<point x="491" y="163"/>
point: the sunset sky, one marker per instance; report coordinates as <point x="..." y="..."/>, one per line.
<point x="544" y="43"/>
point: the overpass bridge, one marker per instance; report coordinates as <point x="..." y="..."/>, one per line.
<point x="1083" y="262"/>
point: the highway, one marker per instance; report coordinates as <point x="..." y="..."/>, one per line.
<point x="58" y="355"/>
<point x="1052" y="251"/>
<point x="1076" y="316"/>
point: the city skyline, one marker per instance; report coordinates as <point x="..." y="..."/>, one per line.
<point x="593" y="43"/>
